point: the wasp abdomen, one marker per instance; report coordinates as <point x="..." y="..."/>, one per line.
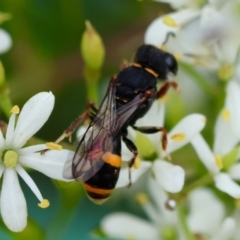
<point x="100" y="186"/>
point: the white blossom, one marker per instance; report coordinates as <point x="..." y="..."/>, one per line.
<point x="14" y="157"/>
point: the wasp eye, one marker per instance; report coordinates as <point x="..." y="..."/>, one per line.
<point x="171" y="64"/>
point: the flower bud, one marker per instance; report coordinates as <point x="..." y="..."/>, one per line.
<point x="4" y="17"/>
<point x="92" y="47"/>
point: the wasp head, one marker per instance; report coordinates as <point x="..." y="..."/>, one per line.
<point x="159" y="61"/>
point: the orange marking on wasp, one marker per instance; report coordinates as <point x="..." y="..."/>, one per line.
<point x="112" y="159"/>
<point x="97" y="190"/>
<point x="151" y="72"/>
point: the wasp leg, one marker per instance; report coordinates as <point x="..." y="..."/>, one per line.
<point x="150" y="130"/>
<point x="75" y="124"/>
<point x="163" y="90"/>
<point x="132" y="147"/>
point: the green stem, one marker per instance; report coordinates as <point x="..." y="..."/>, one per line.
<point x="6" y="104"/>
<point x="92" y="90"/>
<point x="183" y="221"/>
<point x="205" y="180"/>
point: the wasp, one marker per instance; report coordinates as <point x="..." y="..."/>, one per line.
<point x="97" y="160"/>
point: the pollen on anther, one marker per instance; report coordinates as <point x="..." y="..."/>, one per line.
<point x="142" y="198"/>
<point x="237" y="203"/>
<point x="225" y="115"/>
<point x="218" y="160"/>
<point x="178" y="137"/>
<point x="137" y="163"/>
<point x="164" y="98"/>
<point x="15" y="109"/>
<point x="53" y="146"/>
<point x="169" y="21"/>
<point x="44" y="204"/>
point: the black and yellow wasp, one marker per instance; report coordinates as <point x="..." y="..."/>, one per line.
<point x="130" y="94"/>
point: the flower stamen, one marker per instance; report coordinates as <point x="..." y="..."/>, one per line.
<point x="225" y="115"/>
<point x="137" y="163"/>
<point x="142" y="198"/>
<point x="218" y="160"/>
<point x="237" y="203"/>
<point x="44" y="204"/>
<point x="169" y="21"/>
<point x="226" y="72"/>
<point x="164" y="98"/>
<point x="53" y="146"/>
<point x="178" y="137"/>
<point x="10" y="158"/>
<point x="15" y="109"/>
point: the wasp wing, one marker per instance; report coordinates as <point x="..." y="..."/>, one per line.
<point x="99" y="136"/>
<point x="95" y="142"/>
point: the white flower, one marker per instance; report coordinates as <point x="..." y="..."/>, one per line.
<point x="168" y="175"/>
<point x="5" y="41"/>
<point x="226" y="136"/>
<point x="203" y="35"/>
<point x="14" y="157"/>
<point x="165" y="224"/>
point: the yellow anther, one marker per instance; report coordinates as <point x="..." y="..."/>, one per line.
<point x="137" y="163"/>
<point x="44" y="204"/>
<point x="226" y="72"/>
<point x="53" y="146"/>
<point x="218" y="160"/>
<point x="163" y="47"/>
<point x="178" y="137"/>
<point x="178" y="56"/>
<point x="225" y="115"/>
<point x="237" y="203"/>
<point x="10" y="158"/>
<point x="142" y="198"/>
<point x="169" y="21"/>
<point x="164" y="98"/>
<point x="15" y="109"/>
<point x="131" y="237"/>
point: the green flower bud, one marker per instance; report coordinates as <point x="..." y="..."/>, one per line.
<point x="92" y="47"/>
<point x="4" y="17"/>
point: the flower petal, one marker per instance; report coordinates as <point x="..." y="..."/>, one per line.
<point x="2" y="140"/>
<point x="154" y="117"/>
<point x="158" y="30"/>
<point x="123" y="180"/>
<point x="234" y="171"/>
<point x="204" y="153"/>
<point x="160" y="198"/>
<point x="126" y="226"/>
<point x="32" y="149"/>
<point x="202" y="202"/>
<point x="51" y="163"/>
<point x="170" y="177"/>
<point x="28" y="180"/>
<point x="5" y="41"/>
<point x="188" y="127"/>
<point x="10" y="130"/>
<point x="233" y="104"/>
<point x="224" y="140"/>
<point x="34" y="114"/>
<point x="226" y="231"/>
<point x="13" y="203"/>
<point x="224" y="183"/>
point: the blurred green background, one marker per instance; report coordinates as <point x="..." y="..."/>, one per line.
<point x="45" y="57"/>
